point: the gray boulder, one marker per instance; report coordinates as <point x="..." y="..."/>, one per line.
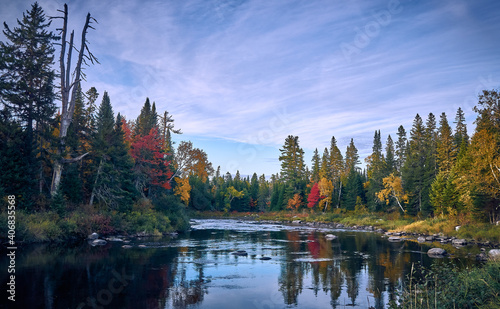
<point x="459" y="242"/>
<point x="494" y="254"/>
<point x="436" y="252"/>
<point x="98" y="242"/>
<point x="93" y="236"/>
<point x="395" y="239"/>
<point x="421" y="239"/>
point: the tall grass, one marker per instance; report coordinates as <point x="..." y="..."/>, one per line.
<point x="446" y="286"/>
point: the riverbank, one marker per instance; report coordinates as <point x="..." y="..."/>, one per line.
<point x="76" y="224"/>
<point x="472" y="232"/>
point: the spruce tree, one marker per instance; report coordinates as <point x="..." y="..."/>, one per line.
<point x="27" y="82"/>
<point x="325" y="168"/>
<point x="315" y="166"/>
<point x="446" y="152"/>
<point x="401" y="148"/>
<point x="292" y="161"/>
<point x="390" y="160"/>
<point x="461" y="136"/>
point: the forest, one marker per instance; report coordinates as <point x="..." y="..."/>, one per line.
<point x="81" y="168"/>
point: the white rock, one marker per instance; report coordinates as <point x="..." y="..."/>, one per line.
<point x="436" y="252"/>
<point x="494" y="254"/>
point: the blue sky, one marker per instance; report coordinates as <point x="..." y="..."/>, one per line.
<point x="240" y="76"/>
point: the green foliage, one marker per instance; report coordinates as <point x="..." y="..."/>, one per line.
<point x="446" y="286"/>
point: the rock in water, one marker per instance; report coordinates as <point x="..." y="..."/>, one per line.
<point x="421" y="239"/>
<point x="436" y="252"/>
<point x="459" y="242"/>
<point x="93" y="236"/>
<point x="265" y="258"/>
<point x="98" y="242"/>
<point x="330" y="236"/>
<point x="126" y="246"/>
<point x="494" y="254"/>
<point x="394" y="239"/>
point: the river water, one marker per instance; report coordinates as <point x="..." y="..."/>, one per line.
<point x="281" y="267"/>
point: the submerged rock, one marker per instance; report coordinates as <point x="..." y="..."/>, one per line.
<point x="436" y="252"/>
<point x="265" y="258"/>
<point x="394" y="238"/>
<point x="126" y="246"/>
<point x="98" y="242"/>
<point x="240" y="253"/>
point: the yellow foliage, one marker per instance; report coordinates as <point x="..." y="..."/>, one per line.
<point x="183" y="189"/>
<point x="325" y="189"/>
<point x="393" y="188"/>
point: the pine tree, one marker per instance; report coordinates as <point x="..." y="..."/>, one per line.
<point x="401" y="148"/>
<point x="147" y="119"/>
<point x="413" y="171"/>
<point x="292" y="160"/>
<point x="338" y="175"/>
<point x="27" y="82"/>
<point x="376" y="172"/>
<point x="390" y="161"/>
<point x="351" y="157"/>
<point x="446" y="152"/>
<point x="315" y="166"/>
<point x="325" y="169"/>
<point x="461" y="137"/>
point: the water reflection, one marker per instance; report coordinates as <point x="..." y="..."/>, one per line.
<point x="199" y="270"/>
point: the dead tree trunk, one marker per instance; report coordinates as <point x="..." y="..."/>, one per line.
<point x="68" y="88"/>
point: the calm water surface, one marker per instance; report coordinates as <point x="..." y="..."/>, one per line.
<point x="201" y="270"/>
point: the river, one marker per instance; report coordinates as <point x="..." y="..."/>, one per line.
<point x="222" y="264"/>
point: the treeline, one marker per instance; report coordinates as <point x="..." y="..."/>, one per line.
<point x="434" y="170"/>
<point x="86" y="159"/>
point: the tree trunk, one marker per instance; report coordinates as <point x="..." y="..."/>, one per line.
<point x="92" y="196"/>
<point x="67" y="87"/>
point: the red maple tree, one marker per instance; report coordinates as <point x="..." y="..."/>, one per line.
<point x="150" y="159"/>
<point x="314" y="196"/>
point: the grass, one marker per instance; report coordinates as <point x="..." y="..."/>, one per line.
<point x="78" y="223"/>
<point x="446" y="286"/>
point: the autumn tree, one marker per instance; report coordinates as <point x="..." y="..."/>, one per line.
<point x="325" y="190"/>
<point x="295" y="203"/>
<point x="393" y="188"/>
<point x="182" y="189"/>
<point x="314" y="196"/>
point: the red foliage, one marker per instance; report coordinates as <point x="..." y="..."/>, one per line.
<point x="313" y="197"/>
<point x="127" y="131"/>
<point x="150" y="159"/>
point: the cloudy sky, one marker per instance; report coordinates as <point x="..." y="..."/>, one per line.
<point x="239" y="76"/>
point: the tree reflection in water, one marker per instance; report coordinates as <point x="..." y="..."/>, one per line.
<point x="198" y="270"/>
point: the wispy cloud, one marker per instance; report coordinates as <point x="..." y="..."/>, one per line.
<point x="256" y="71"/>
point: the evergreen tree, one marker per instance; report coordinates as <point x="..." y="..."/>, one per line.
<point x="337" y="174"/>
<point x="147" y="119"/>
<point x="292" y="160"/>
<point x="390" y="161"/>
<point x="446" y="152"/>
<point x="413" y="171"/>
<point x="376" y="172"/>
<point x="401" y="148"/>
<point x="315" y="166"/>
<point x="461" y="137"/>
<point x="325" y="169"/>
<point x="351" y="157"/>
<point x="27" y="94"/>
